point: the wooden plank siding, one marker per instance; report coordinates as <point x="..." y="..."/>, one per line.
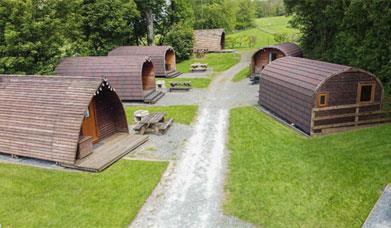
<point x="289" y="88"/>
<point x="212" y="40"/>
<point x="125" y="73"/>
<point x="158" y="54"/>
<point x="41" y="116"/>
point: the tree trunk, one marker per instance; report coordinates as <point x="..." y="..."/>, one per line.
<point x="150" y="35"/>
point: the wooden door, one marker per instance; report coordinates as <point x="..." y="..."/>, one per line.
<point x="89" y="126"/>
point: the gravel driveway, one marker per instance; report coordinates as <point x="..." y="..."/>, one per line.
<point x="191" y="192"/>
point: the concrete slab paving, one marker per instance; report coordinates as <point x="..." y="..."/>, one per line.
<point x="380" y="216"/>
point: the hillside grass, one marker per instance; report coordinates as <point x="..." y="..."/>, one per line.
<point x="36" y="197"/>
<point x="217" y="61"/>
<point x="184" y="114"/>
<point x="244" y="73"/>
<point x="279" y="178"/>
<point x="264" y="32"/>
<point x="276" y="24"/>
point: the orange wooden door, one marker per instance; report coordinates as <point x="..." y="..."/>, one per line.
<point x="89" y="127"/>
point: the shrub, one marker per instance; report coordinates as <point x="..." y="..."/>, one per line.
<point x="285" y="37"/>
<point x="180" y="37"/>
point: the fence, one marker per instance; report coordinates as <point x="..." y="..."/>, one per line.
<point x="336" y="118"/>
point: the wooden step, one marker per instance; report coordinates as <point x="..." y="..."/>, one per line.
<point x="153" y="97"/>
<point x="173" y="74"/>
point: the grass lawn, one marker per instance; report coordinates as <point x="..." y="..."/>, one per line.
<point x="35" y="197"/>
<point x="218" y="61"/>
<point x="244" y="73"/>
<point x="264" y="32"/>
<point x="278" y="24"/>
<point x="279" y="178"/>
<point x="199" y="83"/>
<point x="184" y="114"/>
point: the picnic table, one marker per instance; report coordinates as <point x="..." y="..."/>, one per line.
<point x="196" y="67"/>
<point x="154" y="121"/>
<point x="184" y="86"/>
<point x="200" y="53"/>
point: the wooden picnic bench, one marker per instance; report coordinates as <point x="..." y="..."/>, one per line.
<point x="200" y="53"/>
<point x="154" y="121"/>
<point x="184" y="86"/>
<point x="198" y="67"/>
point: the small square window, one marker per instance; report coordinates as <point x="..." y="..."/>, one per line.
<point x="272" y="57"/>
<point x="366" y="92"/>
<point x="87" y="114"/>
<point x="323" y="99"/>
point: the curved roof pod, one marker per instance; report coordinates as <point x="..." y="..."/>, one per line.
<point x="290" y="87"/>
<point x="163" y="57"/>
<point x="263" y="56"/>
<point x="211" y="39"/>
<point x="42" y="116"/>
<point x="132" y="76"/>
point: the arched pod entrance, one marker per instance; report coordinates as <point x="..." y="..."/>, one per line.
<point x="222" y="41"/>
<point x="162" y="57"/>
<point x="98" y="122"/>
<point x="170" y="60"/>
<point x="266" y="55"/>
<point x="148" y="77"/>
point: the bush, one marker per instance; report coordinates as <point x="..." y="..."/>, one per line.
<point x="285" y="37"/>
<point x="180" y="37"/>
<point x="241" y="42"/>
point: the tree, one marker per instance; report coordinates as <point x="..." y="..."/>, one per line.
<point x="349" y="32"/>
<point x="105" y="24"/>
<point x="31" y="35"/>
<point x="181" y="39"/>
<point x="177" y="12"/>
<point x="269" y="8"/>
<point x="245" y="16"/>
<point x="215" y="14"/>
<point x="152" y="11"/>
<point x="181" y="11"/>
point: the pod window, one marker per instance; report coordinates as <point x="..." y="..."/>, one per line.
<point x="323" y="99"/>
<point x="366" y="92"/>
<point x="272" y="56"/>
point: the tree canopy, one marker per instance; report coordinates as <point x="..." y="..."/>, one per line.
<point x="36" y="34"/>
<point x="348" y="32"/>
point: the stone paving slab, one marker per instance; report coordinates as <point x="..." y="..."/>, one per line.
<point x="380" y="216"/>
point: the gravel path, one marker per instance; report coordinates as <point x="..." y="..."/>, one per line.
<point x="204" y="74"/>
<point x="164" y="147"/>
<point x="380" y="216"/>
<point x="191" y="192"/>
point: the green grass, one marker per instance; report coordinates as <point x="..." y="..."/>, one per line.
<point x="264" y="32"/>
<point x="279" y="178"/>
<point x="275" y="24"/>
<point x="262" y="38"/>
<point x="184" y="114"/>
<point x="218" y="61"/>
<point x="199" y="83"/>
<point x="35" y="197"/>
<point x="244" y="73"/>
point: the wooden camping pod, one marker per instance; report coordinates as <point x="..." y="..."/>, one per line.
<point x="163" y="57"/>
<point x="267" y="54"/>
<point x="45" y="117"/>
<point x="212" y="40"/>
<point x="132" y="76"/>
<point x="315" y="95"/>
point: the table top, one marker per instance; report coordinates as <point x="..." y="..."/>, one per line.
<point x="152" y="118"/>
